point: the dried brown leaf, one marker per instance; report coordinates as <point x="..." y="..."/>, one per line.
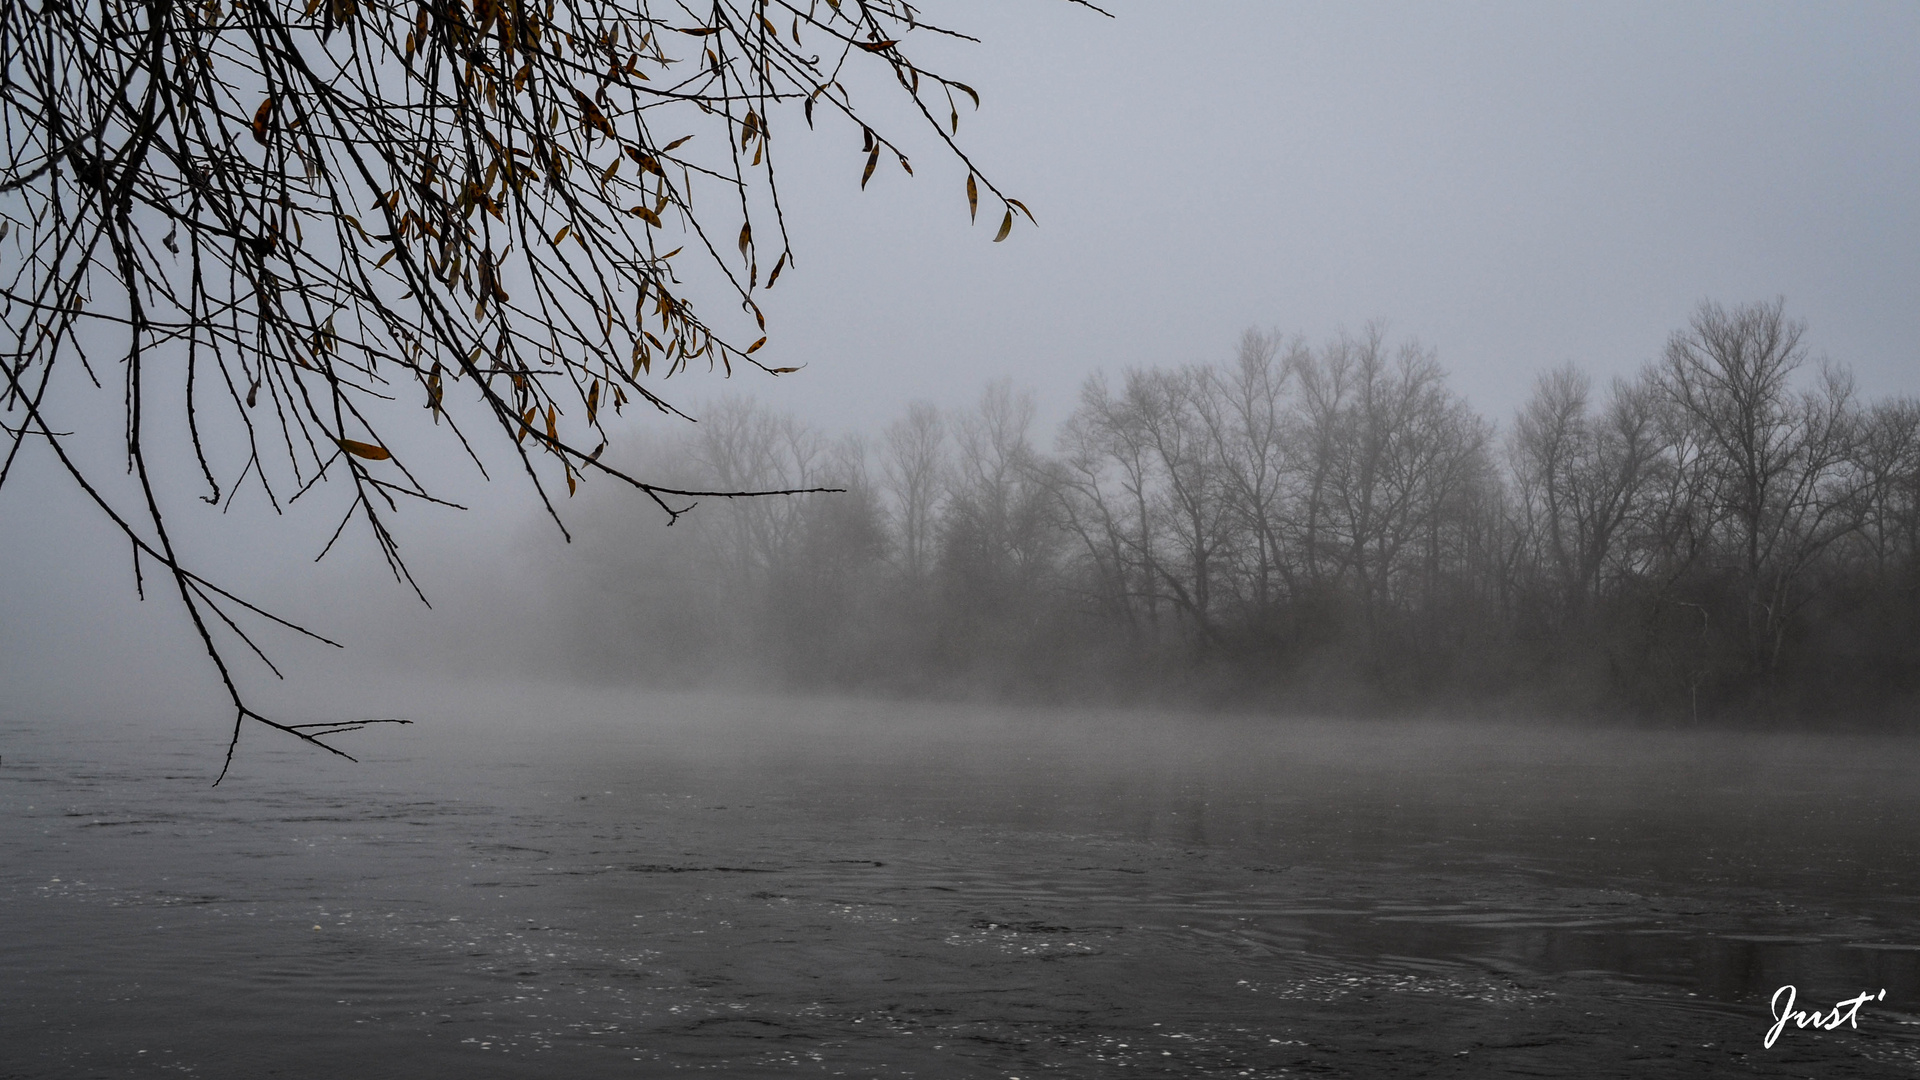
<point x="364" y="450"/>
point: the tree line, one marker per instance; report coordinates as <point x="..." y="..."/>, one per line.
<point x="1733" y="535"/>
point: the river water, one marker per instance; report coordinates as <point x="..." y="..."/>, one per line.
<point x="655" y="884"/>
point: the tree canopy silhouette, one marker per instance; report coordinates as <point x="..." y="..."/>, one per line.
<point x="285" y="216"/>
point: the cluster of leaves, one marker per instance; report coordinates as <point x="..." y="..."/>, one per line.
<point x="296" y="212"/>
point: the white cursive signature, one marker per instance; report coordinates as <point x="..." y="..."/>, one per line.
<point x="1816" y="1018"/>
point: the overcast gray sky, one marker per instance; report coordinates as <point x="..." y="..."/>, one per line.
<point x="1517" y="185"/>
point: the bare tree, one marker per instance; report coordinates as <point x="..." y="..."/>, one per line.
<point x="914" y="464"/>
<point x="996" y="537"/>
<point x="1581" y="479"/>
<point x="1244" y="410"/>
<point x="1142" y="488"/>
<point x="994" y="477"/>
<point x="1887" y="456"/>
<point x="1103" y="485"/>
<point x="1192" y="512"/>
<point x="1773" y="457"/>
<point x="1387" y="446"/>
<point x="1324" y="379"/>
<point x="292" y="217"/>
<point x="742" y="446"/>
<point x="1549" y="438"/>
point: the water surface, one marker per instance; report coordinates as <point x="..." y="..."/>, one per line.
<point x="639" y="885"/>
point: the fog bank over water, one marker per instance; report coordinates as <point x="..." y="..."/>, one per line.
<point x="1310" y="529"/>
<point x="536" y="880"/>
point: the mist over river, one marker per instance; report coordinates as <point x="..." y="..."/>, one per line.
<point x="646" y="884"/>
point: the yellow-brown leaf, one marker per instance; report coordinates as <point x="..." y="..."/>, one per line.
<point x="260" y="120"/>
<point x="364" y="450"/>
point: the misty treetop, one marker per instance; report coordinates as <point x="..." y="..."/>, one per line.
<point x="1733" y="534"/>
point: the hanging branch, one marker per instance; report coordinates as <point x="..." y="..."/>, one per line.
<point x="300" y="213"/>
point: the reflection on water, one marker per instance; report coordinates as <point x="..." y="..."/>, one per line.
<point x="754" y="887"/>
